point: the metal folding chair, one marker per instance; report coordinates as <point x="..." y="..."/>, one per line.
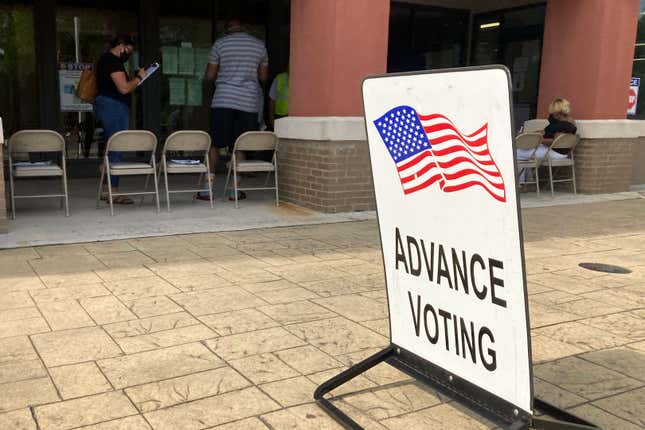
<point x="567" y="143"/>
<point x="188" y="141"/>
<point x="129" y="141"/>
<point x="40" y="141"/>
<point x="254" y="141"/>
<point x="529" y="142"/>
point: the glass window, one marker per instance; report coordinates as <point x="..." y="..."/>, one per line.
<point x="254" y="13"/>
<point x="278" y="37"/>
<point x="18" y="85"/>
<point x="439" y="36"/>
<point x="399" y="35"/>
<point x="638" y="68"/>
<point x="423" y="37"/>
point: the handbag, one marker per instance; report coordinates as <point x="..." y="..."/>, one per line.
<point x="87" y="88"/>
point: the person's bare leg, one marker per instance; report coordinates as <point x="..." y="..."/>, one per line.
<point x="209" y="180"/>
<point x="104" y="191"/>
<point x="239" y="156"/>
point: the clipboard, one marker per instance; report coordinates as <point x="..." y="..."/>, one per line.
<point x="150" y="70"/>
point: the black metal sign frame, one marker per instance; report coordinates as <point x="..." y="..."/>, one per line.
<point x="465" y="393"/>
<point x="477" y="399"/>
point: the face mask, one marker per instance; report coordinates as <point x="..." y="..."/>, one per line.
<point x="125" y="56"/>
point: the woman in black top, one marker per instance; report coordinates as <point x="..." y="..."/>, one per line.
<point x="560" y="120"/>
<point x="112" y="105"/>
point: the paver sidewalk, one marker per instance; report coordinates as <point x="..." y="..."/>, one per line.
<point x="235" y="330"/>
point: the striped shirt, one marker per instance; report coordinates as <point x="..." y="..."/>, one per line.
<point x="238" y="56"/>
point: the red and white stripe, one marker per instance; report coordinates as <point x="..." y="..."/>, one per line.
<point x="463" y="160"/>
<point x="419" y="172"/>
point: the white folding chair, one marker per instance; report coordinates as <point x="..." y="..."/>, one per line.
<point x="188" y="141"/>
<point x="129" y="141"/>
<point x="254" y="141"/>
<point x="529" y="142"/>
<point x="41" y="141"/>
<point x="566" y="143"/>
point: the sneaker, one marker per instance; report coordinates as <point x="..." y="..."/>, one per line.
<point x="240" y="196"/>
<point x="203" y="197"/>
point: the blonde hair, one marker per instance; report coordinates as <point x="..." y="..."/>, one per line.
<point x="560" y="106"/>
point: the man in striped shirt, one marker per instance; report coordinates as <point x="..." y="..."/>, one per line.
<point x="238" y="62"/>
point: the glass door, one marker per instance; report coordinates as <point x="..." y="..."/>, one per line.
<point x="185" y="38"/>
<point x="260" y="17"/>
<point x="426" y="37"/>
<point x="82" y="35"/>
<point x="187" y="31"/>
<point x="513" y="37"/>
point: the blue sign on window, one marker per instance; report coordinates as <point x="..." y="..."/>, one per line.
<point x="635" y="82"/>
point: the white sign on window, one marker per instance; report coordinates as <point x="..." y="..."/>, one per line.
<point x="68" y="76"/>
<point x="632" y="101"/>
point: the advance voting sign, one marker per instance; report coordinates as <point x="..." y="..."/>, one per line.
<point x="442" y="155"/>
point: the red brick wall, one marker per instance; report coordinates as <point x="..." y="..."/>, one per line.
<point x="604" y="165"/>
<point x="587" y="56"/>
<point x="326" y="176"/>
<point x="334" y="45"/>
<point x="638" y="169"/>
<point x="336" y="176"/>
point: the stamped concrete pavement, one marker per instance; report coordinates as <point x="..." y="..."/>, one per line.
<point x="235" y="330"/>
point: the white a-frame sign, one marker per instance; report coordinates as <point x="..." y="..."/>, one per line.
<point x="443" y="161"/>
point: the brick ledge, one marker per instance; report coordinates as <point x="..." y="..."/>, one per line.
<point x="598" y="128"/>
<point x="331" y="128"/>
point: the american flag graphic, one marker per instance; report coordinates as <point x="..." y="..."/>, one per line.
<point x="430" y="148"/>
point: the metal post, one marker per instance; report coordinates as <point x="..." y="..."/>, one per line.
<point x="46" y="63"/>
<point x="76" y="45"/>
<point x="77" y="56"/>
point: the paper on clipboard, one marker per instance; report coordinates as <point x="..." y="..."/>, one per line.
<point x="149" y="72"/>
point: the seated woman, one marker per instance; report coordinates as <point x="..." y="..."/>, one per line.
<point x="560" y="122"/>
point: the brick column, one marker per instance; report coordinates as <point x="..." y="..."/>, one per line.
<point x="334" y="45"/>
<point x="587" y="56"/>
<point x="323" y="162"/>
<point x="327" y="176"/>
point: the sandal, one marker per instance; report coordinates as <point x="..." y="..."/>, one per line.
<point x="117" y="200"/>
<point x="203" y="197"/>
<point x="122" y="200"/>
<point x="241" y="195"/>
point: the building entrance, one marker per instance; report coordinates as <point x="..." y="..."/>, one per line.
<point x="41" y="68"/>
<point x="513" y="37"/>
<point x="423" y="36"/>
